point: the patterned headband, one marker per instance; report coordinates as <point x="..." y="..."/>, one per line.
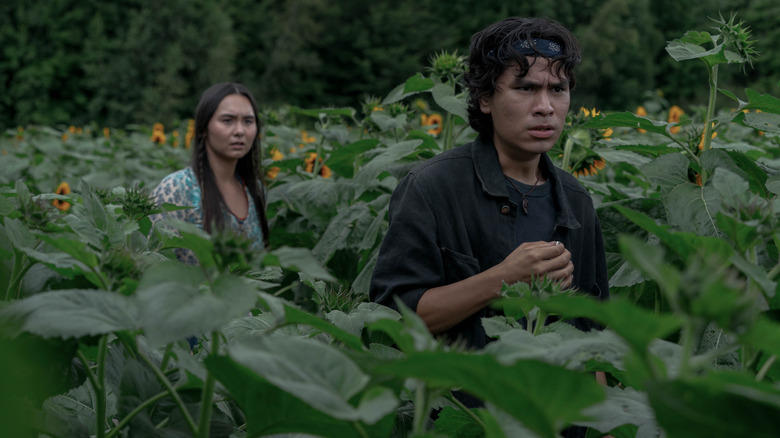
<point x="546" y="48"/>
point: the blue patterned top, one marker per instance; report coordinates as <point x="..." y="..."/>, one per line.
<point x="181" y="188"/>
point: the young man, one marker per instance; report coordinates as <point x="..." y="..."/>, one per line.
<point x="495" y="210"/>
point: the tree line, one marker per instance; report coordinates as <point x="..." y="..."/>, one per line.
<point x="125" y="62"/>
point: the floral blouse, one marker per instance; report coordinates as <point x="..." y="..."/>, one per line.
<point x="181" y="188"/>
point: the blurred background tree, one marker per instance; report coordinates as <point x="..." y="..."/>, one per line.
<point x="123" y="62"/>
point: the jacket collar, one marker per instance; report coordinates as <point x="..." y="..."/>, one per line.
<point x="491" y="176"/>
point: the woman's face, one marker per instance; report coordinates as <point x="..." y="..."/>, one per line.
<point x="232" y="129"/>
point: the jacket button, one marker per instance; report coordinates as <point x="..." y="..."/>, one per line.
<point x="505" y="209"/>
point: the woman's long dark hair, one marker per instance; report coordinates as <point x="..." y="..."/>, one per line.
<point x="249" y="168"/>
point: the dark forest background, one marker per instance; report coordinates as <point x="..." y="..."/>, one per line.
<point x="122" y="62"/>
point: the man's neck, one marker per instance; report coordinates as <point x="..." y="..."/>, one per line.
<point x="525" y="171"/>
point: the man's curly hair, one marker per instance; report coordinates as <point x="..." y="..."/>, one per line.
<point x="493" y="51"/>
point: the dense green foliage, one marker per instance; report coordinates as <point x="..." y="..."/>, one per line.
<point x="94" y="312"/>
<point x="141" y="61"/>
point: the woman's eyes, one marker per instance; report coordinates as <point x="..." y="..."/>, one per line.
<point x="247" y="122"/>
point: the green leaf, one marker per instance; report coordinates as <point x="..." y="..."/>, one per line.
<point x="716" y="404"/>
<point x="417" y="83"/>
<point x="455" y="422"/>
<point x="684" y="244"/>
<point x="79" y="403"/>
<point x="773" y="184"/>
<point x="769" y="122"/>
<point x="387" y="122"/>
<point x="293" y="315"/>
<point x="764" y="335"/>
<point x="75" y="248"/>
<point x="70" y="314"/>
<point x="413" y="85"/>
<point x="299" y="260"/>
<point x="368" y="174"/>
<point x="628" y="120"/>
<point x="358" y="318"/>
<point x="762" y="102"/>
<point x="175" y="302"/>
<point x="410" y="334"/>
<point x="342" y="160"/>
<point x="321" y="376"/>
<point x="270" y="406"/>
<point x="336" y="236"/>
<point x="634" y="324"/>
<point x="317" y="113"/>
<point x="543" y="397"/>
<point x="444" y="96"/>
<point x="622" y="406"/>
<point x="192" y="237"/>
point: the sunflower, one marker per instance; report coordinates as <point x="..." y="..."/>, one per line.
<point x="433" y="119"/>
<point x="590" y="166"/>
<point x="62" y="189"/>
<point x="325" y="171"/>
<point x="675" y="112"/>
<point x="276" y="155"/>
<point x="190" y="133"/>
<point x="306" y="138"/>
<point x="158" y="133"/>
<point x="272" y="172"/>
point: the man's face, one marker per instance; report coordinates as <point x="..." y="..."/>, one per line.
<point x="528" y="112"/>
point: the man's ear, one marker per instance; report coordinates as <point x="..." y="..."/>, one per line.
<point x="484" y="104"/>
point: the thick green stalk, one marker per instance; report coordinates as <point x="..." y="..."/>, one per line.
<point x="208" y="393"/>
<point x="765" y="368"/>
<point x="449" y="127"/>
<point x="465" y="410"/>
<point x="710" y="110"/>
<point x="138" y="409"/>
<point x="98" y="384"/>
<point x="567" y="148"/>
<point x="420" y="410"/>
<point x="171" y="390"/>
<point x="360" y="429"/>
<point x="17" y="274"/>
<point x="101" y="378"/>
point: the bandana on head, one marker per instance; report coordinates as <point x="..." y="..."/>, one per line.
<point x="546" y="48"/>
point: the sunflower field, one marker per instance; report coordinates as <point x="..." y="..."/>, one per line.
<point x="96" y="313"/>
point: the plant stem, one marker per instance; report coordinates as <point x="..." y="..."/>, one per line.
<point x="420" y="410"/>
<point x="122" y="424"/>
<point x="449" y="123"/>
<point x="16" y="275"/>
<point x="685" y="361"/>
<point x="466" y="410"/>
<point x="101" y="379"/>
<point x="166" y="357"/>
<point x="171" y="390"/>
<point x="710" y="110"/>
<point x="765" y="368"/>
<point x="208" y="392"/>
<point x="567" y="148"/>
<point x="360" y="429"/>
<point x="98" y="384"/>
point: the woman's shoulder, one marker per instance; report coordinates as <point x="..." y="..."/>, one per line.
<point x="177" y="186"/>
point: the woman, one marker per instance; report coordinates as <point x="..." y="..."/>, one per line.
<point x="222" y="184"/>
